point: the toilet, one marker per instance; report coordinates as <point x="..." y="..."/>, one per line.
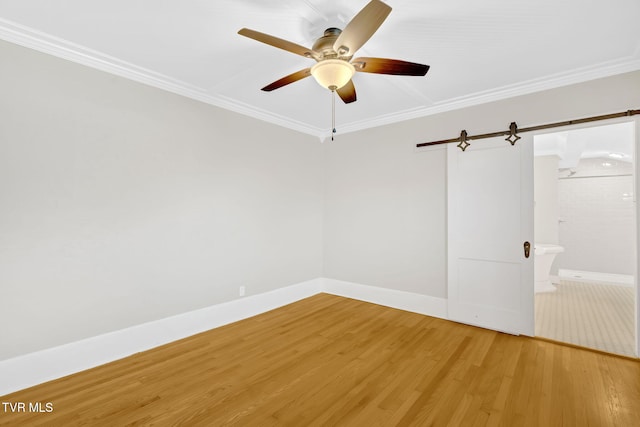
<point x="545" y="253"/>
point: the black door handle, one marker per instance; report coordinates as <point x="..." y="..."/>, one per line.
<point x="527" y="249"/>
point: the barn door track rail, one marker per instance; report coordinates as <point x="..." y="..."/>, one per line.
<point x="512" y="133"/>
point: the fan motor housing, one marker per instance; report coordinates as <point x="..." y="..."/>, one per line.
<point x="324" y="45"/>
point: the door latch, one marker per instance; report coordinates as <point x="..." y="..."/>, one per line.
<point x="527" y="249"/>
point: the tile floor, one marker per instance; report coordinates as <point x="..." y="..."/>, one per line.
<point x="593" y="315"/>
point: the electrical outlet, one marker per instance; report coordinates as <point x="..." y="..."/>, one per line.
<point x="241" y="291"/>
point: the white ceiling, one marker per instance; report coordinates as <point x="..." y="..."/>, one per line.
<point x="478" y="51"/>
<point x="612" y="142"/>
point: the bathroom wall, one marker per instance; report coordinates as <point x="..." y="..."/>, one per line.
<point x="597" y="216"/>
<point x="546" y="199"/>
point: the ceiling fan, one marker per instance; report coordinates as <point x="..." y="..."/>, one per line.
<point x="334" y="51"/>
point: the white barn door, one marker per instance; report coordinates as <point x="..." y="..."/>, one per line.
<point x="490" y="217"/>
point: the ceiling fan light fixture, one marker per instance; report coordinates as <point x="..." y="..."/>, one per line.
<point x="333" y="73"/>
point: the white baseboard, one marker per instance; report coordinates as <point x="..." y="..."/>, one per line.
<point x="593" y="276"/>
<point x="408" y="301"/>
<point x="46" y="365"/>
<point x="35" y="368"/>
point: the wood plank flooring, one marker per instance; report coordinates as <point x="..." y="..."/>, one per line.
<point x="333" y="361"/>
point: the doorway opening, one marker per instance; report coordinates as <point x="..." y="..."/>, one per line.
<point x="585" y="224"/>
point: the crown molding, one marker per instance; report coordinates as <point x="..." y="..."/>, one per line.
<point x="33" y="39"/>
<point x="580" y="75"/>
<point x="45" y="43"/>
<point x="264" y="115"/>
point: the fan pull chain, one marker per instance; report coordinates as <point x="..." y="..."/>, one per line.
<point x="333" y="113"/>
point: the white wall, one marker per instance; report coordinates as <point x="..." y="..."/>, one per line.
<point x="637" y="191"/>
<point x="384" y="212"/>
<point x="545" y="195"/>
<point x="385" y="218"/>
<point x="121" y="204"/>
<point x="598" y="214"/>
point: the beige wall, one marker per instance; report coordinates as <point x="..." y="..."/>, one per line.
<point x="121" y="203"/>
<point x="385" y="206"/>
<point x="545" y="196"/>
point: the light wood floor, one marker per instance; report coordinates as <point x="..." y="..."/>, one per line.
<point x="333" y="361"/>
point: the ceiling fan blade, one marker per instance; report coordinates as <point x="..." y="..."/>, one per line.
<point x="298" y="75"/>
<point x="347" y="92"/>
<point x="277" y="42"/>
<point x="389" y="66"/>
<point x="361" y="27"/>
